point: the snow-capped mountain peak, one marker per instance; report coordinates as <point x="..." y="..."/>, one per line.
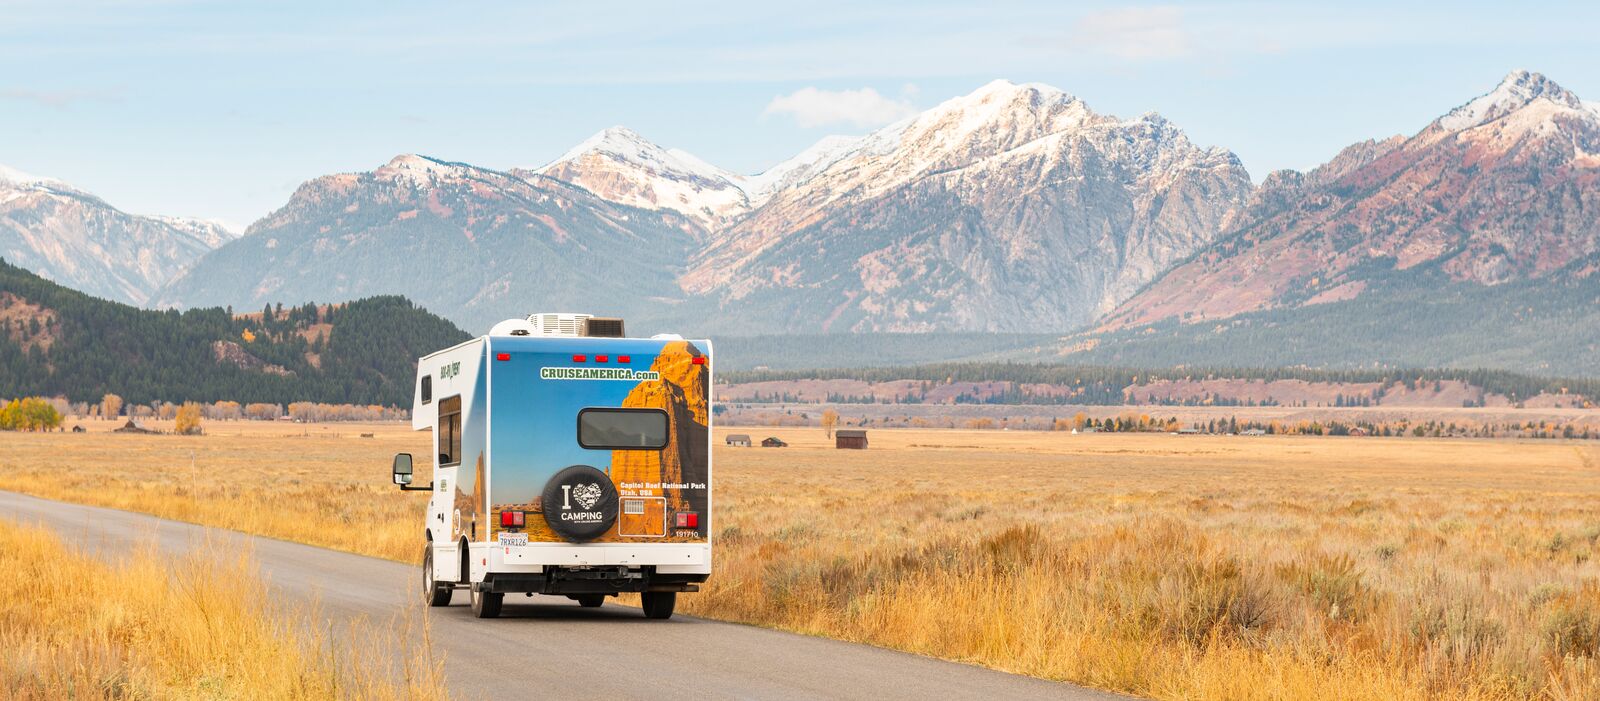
<point x="421" y="170"/>
<point x="213" y="232"/>
<point x="624" y="145"/>
<point x="620" y="165"/>
<point x="16" y="177"/>
<point x="803" y="166"/>
<point x="1518" y="90"/>
<point x="995" y="118"/>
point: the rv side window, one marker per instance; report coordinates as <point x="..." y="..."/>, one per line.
<point x="450" y="430"/>
<point x="427" y="388"/>
<point x="622" y="429"/>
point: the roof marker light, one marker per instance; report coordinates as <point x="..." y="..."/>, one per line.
<point x="624" y="358"/>
<point x="699" y="360"/>
<point x="580" y="358"/>
<point x="602" y="358"/>
<point x="502" y="356"/>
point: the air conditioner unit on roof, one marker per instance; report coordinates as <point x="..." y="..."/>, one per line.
<point x="557" y="324"/>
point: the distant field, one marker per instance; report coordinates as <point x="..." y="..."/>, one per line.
<point x="1166" y="566"/>
<point x="1040" y="417"/>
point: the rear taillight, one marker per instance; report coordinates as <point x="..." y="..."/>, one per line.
<point x="688" y="520"/>
<point x="511" y="519"/>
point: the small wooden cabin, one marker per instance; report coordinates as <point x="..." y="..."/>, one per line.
<point x="739" y="439"/>
<point x="850" y="439"/>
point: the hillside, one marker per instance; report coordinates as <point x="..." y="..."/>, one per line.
<point x="79" y="240"/>
<point x="1416" y="318"/>
<point x="57" y="341"/>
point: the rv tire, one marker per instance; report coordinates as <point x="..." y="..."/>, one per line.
<point x="437" y="593"/>
<point x="590" y="601"/>
<point x="486" y="604"/>
<point x="658" y="604"/>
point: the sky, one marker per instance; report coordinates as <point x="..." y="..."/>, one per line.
<point x="221" y="109"/>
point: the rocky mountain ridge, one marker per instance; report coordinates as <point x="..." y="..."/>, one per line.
<point x="474" y="243"/>
<point x="1503" y="188"/>
<point x="1013" y="208"/>
<point x="80" y="240"/>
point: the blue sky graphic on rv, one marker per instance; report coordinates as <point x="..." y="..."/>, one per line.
<point x="474" y="430"/>
<point x="535" y="420"/>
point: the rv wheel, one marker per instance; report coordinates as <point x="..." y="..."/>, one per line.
<point x="590" y="601"/>
<point x="658" y="604"/>
<point x="437" y="593"/>
<point x="486" y="604"/>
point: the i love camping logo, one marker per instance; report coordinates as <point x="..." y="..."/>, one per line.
<point x="580" y="503"/>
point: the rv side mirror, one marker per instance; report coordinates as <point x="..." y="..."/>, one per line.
<point x="402" y="469"/>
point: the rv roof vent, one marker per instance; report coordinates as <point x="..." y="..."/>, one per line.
<point x="554" y="324"/>
<point x="601" y="326"/>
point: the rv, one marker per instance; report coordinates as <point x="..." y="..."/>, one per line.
<point x="568" y="460"/>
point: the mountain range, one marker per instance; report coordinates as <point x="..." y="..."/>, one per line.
<point x="81" y="241"/>
<point x="1014" y="209"/>
<point x="1504" y="188"/>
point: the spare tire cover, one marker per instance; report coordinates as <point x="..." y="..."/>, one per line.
<point x="580" y="503"/>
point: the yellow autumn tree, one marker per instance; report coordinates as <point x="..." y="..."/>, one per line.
<point x="830" y="418"/>
<point x="110" y="406"/>
<point x="188" y="419"/>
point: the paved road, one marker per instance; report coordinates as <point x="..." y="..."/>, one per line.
<point x="550" y="647"/>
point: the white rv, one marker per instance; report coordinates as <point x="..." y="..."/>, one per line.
<point x="568" y="460"/>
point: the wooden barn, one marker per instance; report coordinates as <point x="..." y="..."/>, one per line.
<point x="739" y="439"/>
<point x="850" y="439"/>
<point x="132" y="427"/>
<point x="773" y="442"/>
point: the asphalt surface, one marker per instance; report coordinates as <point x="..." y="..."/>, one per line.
<point x="550" y="647"/>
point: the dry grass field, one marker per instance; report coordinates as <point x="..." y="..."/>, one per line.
<point x="74" y="627"/>
<point x="1165" y="566"/>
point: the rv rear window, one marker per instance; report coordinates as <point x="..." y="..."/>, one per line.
<point x="622" y="429"/>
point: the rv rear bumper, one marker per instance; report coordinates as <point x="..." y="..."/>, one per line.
<point x="598" y="580"/>
<point x="679" y="558"/>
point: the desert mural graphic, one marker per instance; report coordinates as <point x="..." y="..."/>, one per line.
<point x="654" y="486"/>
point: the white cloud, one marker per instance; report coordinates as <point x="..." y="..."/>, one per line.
<point x="1136" y="33"/>
<point x="811" y="107"/>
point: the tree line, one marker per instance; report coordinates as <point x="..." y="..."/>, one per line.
<point x="80" y="347"/>
<point x="1104" y="385"/>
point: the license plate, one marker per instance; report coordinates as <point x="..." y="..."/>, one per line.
<point x="509" y="539"/>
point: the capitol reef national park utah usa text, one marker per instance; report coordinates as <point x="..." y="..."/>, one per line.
<point x="1179" y="350"/>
